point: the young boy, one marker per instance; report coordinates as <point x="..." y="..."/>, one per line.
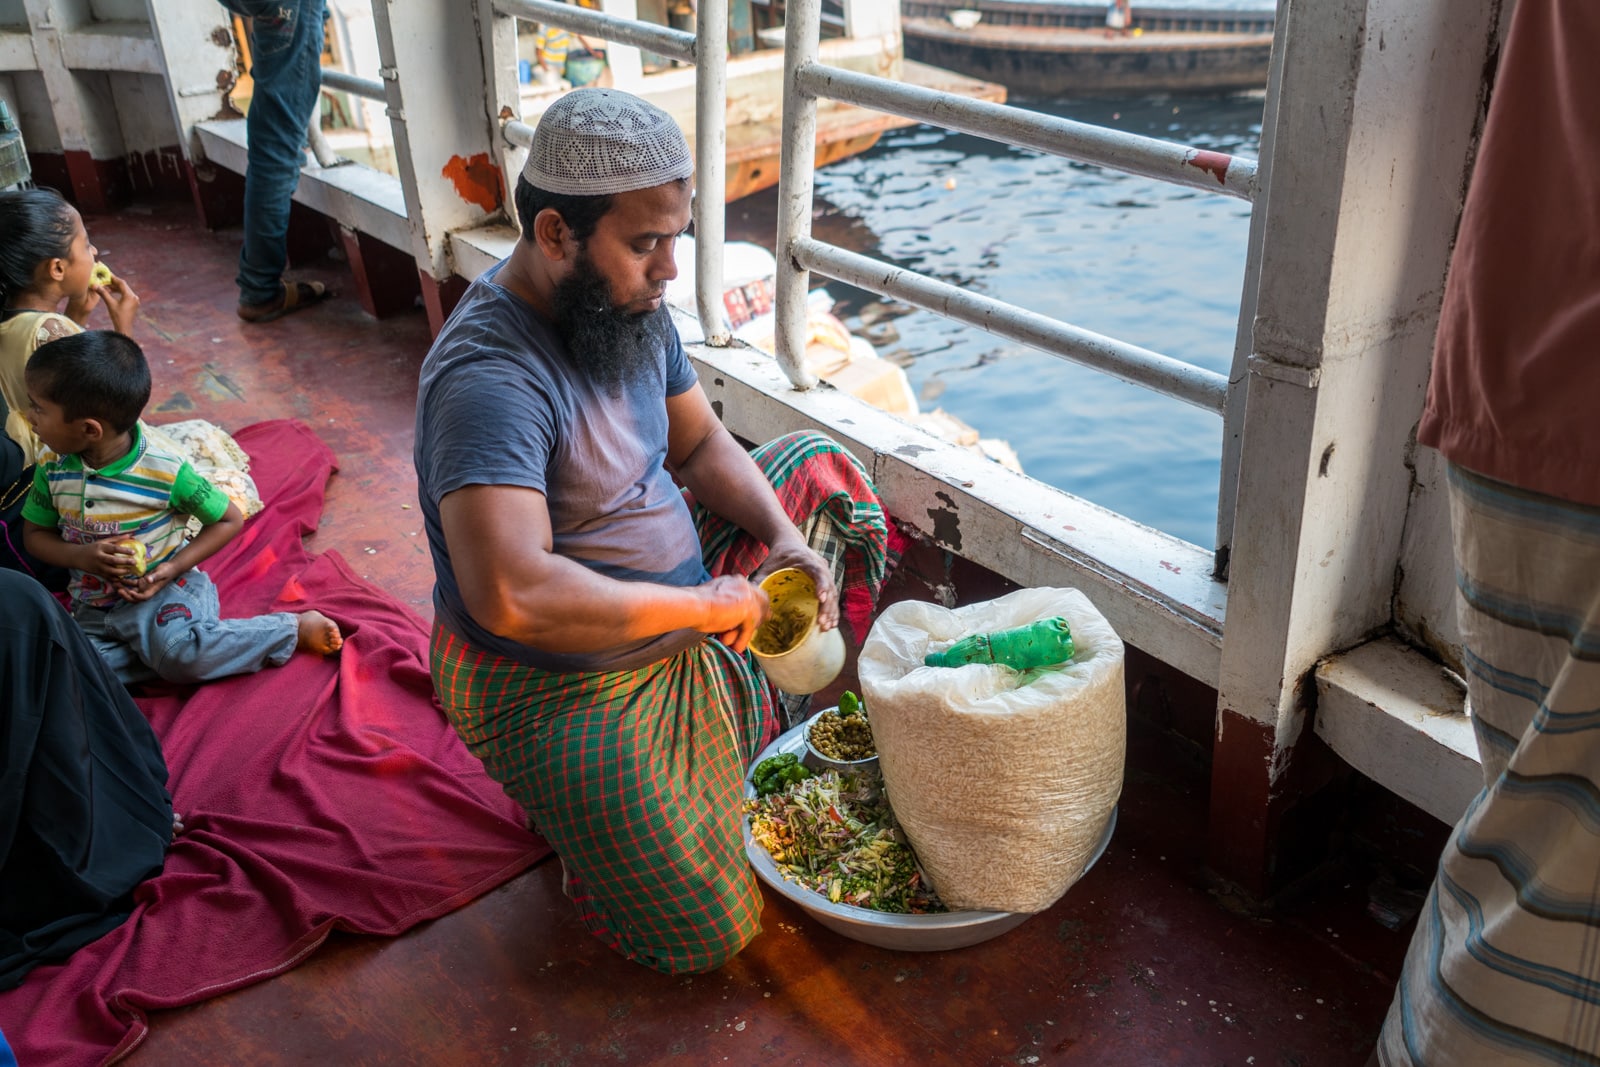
<point x="114" y="511"/>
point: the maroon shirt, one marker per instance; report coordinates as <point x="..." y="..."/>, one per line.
<point x="1515" y="393"/>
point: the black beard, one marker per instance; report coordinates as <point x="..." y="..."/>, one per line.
<point x="606" y="344"/>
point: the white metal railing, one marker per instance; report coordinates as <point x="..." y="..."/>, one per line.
<point x="674" y="44"/>
<point x="1212" y="172"/>
<point x="806" y="81"/>
<point x="1194" y="385"/>
<point x="345" y="82"/>
<point x="707" y="49"/>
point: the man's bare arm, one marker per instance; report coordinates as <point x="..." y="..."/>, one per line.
<point x="515" y="586"/>
<point x="704" y="456"/>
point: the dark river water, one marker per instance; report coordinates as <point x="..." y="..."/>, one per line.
<point x="1154" y="264"/>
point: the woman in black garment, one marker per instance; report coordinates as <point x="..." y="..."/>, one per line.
<point x="84" y="811"/>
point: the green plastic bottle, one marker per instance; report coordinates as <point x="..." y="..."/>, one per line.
<point x="1038" y="644"/>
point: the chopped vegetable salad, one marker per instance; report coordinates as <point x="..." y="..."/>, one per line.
<point x="835" y="835"/>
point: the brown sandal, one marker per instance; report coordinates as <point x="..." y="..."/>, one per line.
<point x="297" y="296"/>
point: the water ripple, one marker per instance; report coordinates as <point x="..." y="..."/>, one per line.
<point x="1156" y="265"/>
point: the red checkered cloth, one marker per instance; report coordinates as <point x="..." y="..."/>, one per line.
<point x="828" y="495"/>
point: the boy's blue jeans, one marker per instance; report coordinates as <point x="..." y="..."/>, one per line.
<point x="286" y="63"/>
<point x="177" y="635"/>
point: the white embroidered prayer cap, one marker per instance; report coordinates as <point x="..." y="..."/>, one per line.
<point x="594" y="142"/>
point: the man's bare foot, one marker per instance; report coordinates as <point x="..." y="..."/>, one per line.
<point x="318" y="634"/>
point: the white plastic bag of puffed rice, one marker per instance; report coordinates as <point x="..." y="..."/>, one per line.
<point x="1003" y="780"/>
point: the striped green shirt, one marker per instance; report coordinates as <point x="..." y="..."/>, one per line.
<point x="146" y="496"/>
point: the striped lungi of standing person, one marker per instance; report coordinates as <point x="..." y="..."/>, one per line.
<point x="1505" y="965"/>
<point x="636" y="777"/>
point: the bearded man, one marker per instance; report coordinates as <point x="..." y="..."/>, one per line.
<point x="578" y="494"/>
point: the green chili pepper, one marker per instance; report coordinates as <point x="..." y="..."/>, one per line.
<point x="767" y="768"/>
<point x="849" y="704"/>
<point x="775" y="772"/>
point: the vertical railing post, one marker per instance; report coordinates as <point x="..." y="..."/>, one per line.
<point x="711" y="165"/>
<point x="446" y="137"/>
<point x="1244" y="336"/>
<point x="795" y="188"/>
<point x="196" y="42"/>
<point x="1369" y="144"/>
<point x="497" y="36"/>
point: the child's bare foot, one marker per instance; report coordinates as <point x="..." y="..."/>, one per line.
<point x="318" y="634"/>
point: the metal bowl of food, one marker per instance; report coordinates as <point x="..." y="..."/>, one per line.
<point x="937" y="932"/>
<point x="837" y="737"/>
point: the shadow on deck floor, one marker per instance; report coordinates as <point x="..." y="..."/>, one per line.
<point x="1138" y="964"/>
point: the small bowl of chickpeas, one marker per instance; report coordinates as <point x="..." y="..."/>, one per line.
<point x="840" y="738"/>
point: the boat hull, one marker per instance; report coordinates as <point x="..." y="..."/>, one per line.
<point x="759" y="170"/>
<point x="843" y="130"/>
<point x="1069" y="61"/>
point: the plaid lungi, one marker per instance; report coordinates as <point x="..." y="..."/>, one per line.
<point x="828" y="496"/>
<point x="1505" y="965"/>
<point x="636" y="777"/>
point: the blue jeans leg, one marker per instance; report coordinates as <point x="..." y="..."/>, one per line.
<point x="286" y="52"/>
<point x="119" y="656"/>
<point x="179" y="635"/>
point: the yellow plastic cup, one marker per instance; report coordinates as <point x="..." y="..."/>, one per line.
<point x="794" y="653"/>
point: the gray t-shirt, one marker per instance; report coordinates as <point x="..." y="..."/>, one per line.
<point x="498" y="404"/>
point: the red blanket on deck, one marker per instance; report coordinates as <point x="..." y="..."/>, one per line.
<point x="323" y="794"/>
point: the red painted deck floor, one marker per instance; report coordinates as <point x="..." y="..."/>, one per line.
<point x="1138" y="964"/>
